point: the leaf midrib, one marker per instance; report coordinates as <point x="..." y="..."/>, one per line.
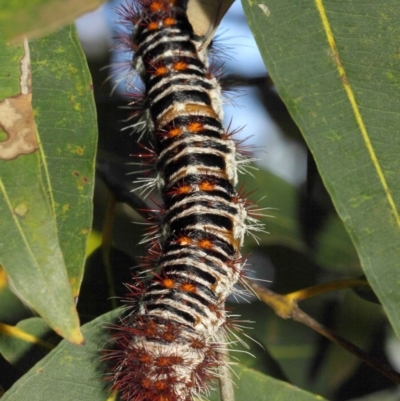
<point x="26" y="242"/>
<point x="356" y="111"/>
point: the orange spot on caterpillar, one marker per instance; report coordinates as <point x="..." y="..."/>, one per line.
<point x="171" y="333"/>
<point x="181" y="190"/>
<point x="198" y="344"/>
<point x="185" y="189"/>
<point x="184" y="241"/>
<point x="166" y="361"/>
<point x="161" y="70"/>
<point x="150" y="329"/>
<point x="161" y="385"/>
<point x="169" y="337"/>
<point x="206" y="186"/>
<point x="180" y="66"/>
<point x="195" y="127"/>
<point x="146" y="383"/>
<point x="205" y="243"/>
<point x="163" y="361"/>
<point x="152" y="26"/>
<point x="169" y="21"/>
<point x="156" y="6"/>
<point x="188" y="287"/>
<point x="176" y="131"/>
<point x="145" y="358"/>
<point x="168" y="283"/>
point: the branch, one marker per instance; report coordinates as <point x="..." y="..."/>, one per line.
<point x="319" y="289"/>
<point x="286" y="307"/>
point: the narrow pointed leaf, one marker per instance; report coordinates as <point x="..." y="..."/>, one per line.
<point x="76" y="370"/>
<point x="36" y="18"/>
<point x="29" y="247"/>
<point x="66" y="120"/>
<point x="336" y="66"/>
<point x="26" y="343"/>
<point x="253" y="385"/>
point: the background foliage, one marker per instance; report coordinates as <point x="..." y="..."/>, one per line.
<point x="335" y="67"/>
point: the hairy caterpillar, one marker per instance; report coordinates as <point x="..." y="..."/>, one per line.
<point x="168" y="346"/>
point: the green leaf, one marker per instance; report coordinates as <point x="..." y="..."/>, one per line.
<point x="29" y="249"/>
<point x="78" y="372"/>
<point x="36" y="17"/>
<point x="66" y="120"/>
<point x="13" y="309"/>
<point x="253" y="385"/>
<point x="336" y="66"/>
<point x="28" y="342"/>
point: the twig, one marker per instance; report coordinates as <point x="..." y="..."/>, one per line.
<point x="286" y="307"/>
<point x="319" y="289"/>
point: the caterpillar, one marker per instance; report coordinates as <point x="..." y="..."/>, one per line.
<point x="167" y="348"/>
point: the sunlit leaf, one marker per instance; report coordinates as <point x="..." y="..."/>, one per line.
<point x="336" y="66"/>
<point x="29" y="247"/>
<point x="75" y="368"/>
<point x="36" y="18"/>
<point x="27" y="342"/>
<point x="253" y="385"/>
<point x="66" y="120"/>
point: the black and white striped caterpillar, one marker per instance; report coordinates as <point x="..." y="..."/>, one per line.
<point x="168" y="346"/>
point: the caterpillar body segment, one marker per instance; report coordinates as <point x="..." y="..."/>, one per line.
<point x="168" y="347"/>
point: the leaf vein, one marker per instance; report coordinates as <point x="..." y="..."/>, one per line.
<point x="356" y="110"/>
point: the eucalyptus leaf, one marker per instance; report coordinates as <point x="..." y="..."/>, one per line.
<point x="65" y="115"/>
<point x="335" y="65"/>
<point x="29" y="246"/>
<point x="26" y="343"/>
<point x="39" y="17"/>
